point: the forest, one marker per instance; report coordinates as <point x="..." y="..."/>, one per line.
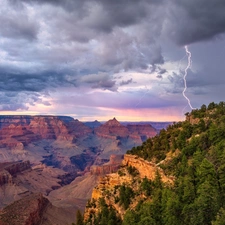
<point x="197" y="195"/>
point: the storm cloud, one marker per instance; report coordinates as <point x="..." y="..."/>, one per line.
<point x="196" y="20"/>
<point x="51" y="44"/>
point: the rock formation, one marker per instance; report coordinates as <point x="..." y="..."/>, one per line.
<point x="10" y="170"/>
<point x="133" y="131"/>
<point x="5" y="177"/>
<point x="108" y="185"/>
<point x="23" y="130"/>
<point x="27" y="211"/>
<point x="93" y="124"/>
<point x="145" y="168"/>
<point x="112" y="128"/>
<point x="143" y="130"/>
<point x="19" y="179"/>
<point x="110" y="167"/>
<point x="34" y="210"/>
<point x="60" y="149"/>
<point x="26" y="129"/>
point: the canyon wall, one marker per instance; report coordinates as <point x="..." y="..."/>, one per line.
<point x="9" y="170"/>
<point x="143" y="130"/>
<point x="23" y="130"/>
<point x="110" y="167"/>
<point x="27" y="211"/>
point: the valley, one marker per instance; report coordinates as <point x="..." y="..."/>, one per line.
<point x="61" y="158"/>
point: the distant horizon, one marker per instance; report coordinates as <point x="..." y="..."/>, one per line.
<point x="93" y="120"/>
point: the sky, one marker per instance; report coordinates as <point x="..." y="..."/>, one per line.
<point x="99" y="59"/>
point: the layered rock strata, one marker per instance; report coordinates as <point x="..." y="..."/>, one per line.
<point x="110" y="167"/>
<point x="27" y="211"/>
<point x="9" y="170"/>
<point x="108" y="185"/>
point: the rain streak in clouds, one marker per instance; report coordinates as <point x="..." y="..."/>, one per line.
<point x="100" y="57"/>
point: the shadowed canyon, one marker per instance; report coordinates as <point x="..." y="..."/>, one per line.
<point x="59" y="159"/>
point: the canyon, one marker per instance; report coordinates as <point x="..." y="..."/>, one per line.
<point x="61" y="158"/>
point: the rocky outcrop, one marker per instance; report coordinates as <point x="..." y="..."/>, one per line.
<point x="193" y="120"/>
<point x="18" y="131"/>
<point x="36" y="209"/>
<point x="9" y="170"/>
<point x="146" y="168"/>
<point x="93" y="124"/>
<point x="49" y="127"/>
<point x="6" y="121"/>
<point x="78" y="129"/>
<point x="82" y="161"/>
<point x="110" y="167"/>
<point x="145" y="131"/>
<point x="112" y="128"/>
<point x="27" y="211"/>
<point x="108" y="186"/>
<point x="18" y="167"/>
<point x="5" y="177"/>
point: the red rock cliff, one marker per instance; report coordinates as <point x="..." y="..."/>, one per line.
<point x="27" y="211"/>
<point x="8" y="170"/>
<point x="112" y="128"/>
<point x="111" y="167"/>
<point x="22" y="130"/>
<point x="142" y="130"/>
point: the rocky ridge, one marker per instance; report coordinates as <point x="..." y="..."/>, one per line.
<point x="19" y="179"/>
<point x="109" y="183"/>
<point x="22" y="130"/>
<point x="27" y="211"/>
<point x="110" y="167"/>
<point x="34" y="210"/>
<point x="10" y="170"/>
<point x="145" y="168"/>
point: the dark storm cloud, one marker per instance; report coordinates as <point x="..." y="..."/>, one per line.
<point x="101" y="21"/>
<point x="109" y="13"/>
<point x="106" y="85"/>
<point x="160" y="72"/>
<point x="69" y="5"/>
<point x="119" y="13"/>
<point x="12" y="106"/>
<point x="101" y="80"/>
<point x="191" y="21"/>
<point x="46" y="44"/>
<point x="15" y="82"/>
<point x="17" y="24"/>
<point x="11" y="101"/>
<point x="126" y="82"/>
<point x="186" y="21"/>
<point x="177" y="83"/>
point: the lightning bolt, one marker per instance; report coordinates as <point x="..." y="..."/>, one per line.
<point x="140" y="100"/>
<point x="188" y="53"/>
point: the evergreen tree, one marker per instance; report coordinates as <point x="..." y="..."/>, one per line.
<point x="79" y="218"/>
